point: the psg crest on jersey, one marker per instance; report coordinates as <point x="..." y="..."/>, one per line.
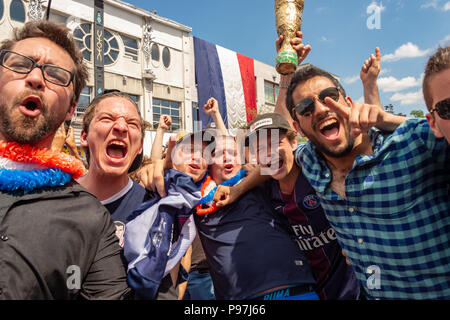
<point x="311" y="201"/>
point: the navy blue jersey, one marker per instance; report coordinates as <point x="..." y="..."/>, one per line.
<point x="122" y="204"/>
<point x="315" y="237"/>
<point x="249" y="248"/>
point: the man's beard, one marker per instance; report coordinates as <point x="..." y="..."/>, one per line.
<point x="23" y="129"/>
<point x="324" y="149"/>
<point x="335" y="153"/>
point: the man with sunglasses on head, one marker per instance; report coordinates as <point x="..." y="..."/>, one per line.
<point x="384" y="192"/>
<point x="273" y="142"/>
<point x="436" y="92"/>
<point x="57" y="240"/>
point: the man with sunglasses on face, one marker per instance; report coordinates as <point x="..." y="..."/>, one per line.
<point x="436" y="92"/>
<point x="57" y="240"/>
<point x="385" y="193"/>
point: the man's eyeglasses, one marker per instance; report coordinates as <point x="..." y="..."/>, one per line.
<point x="305" y="107"/>
<point x="443" y="109"/>
<point x="22" y="64"/>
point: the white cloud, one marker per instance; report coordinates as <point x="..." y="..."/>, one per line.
<point x="355" y="78"/>
<point x="392" y="84"/>
<point x="324" y="39"/>
<point x="350" y="80"/>
<point x="410" y="98"/>
<point x="445" y="42"/>
<point x="430" y="4"/>
<point x="435" y="4"/>
<point x="375" y="3"/>
<point x="408" y="50"/>
<point x="384" y="71"/>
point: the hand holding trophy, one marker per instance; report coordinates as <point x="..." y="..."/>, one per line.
<point x="288" y="14"/>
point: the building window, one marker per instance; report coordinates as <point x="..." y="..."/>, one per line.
<point x="1" y="9"/>
<point x="196" y="125"/>
<point x="17" y="11"/>
<point x="171" y="108"/>
<point x="83" y="103"/>
<point x="166" y="57"/>
<point x="58" y="18"/>
<point x="83" y="37"/>
<point x="110" y="48"/>
<point x="135" y="98"/>
<point x="270" y="92"/>
<point x="155" y="52"/>
<point x="131" y="47"/>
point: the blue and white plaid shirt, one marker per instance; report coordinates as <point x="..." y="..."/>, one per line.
<point x="394" y="225"/>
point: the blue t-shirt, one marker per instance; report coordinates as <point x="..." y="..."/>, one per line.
<point x="122" y="204"/>
<point x="249" y="248"/>
<point x="317" y="239"/>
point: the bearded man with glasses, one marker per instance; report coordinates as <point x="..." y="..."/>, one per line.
<point x="436" y="92"/>
<point x="57" y="240"/>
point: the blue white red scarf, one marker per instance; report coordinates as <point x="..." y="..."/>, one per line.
<point x="209" y="188"/>
<point x="23" y="167"/>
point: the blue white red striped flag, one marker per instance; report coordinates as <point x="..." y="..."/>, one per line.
<point x="227" y="76"/>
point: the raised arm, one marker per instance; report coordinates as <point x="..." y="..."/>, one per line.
<point x="369" y="74"/>
<point x="164" y="124"/>
<point x="285" y="80"/>
<point x="211" y="108"/>
<point x="151" y="176"/>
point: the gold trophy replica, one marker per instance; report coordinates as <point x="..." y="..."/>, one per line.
<point x="288" y="14"/>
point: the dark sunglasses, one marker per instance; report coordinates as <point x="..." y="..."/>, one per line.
<point x="306" y="106"/>
<point x="443" y="109"/>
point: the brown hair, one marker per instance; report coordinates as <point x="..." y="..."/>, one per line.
<point x="291" y="135"/>
<point x="62" y="36"/>
<point x="438" y="62"/>
<point x="92" y="110"/>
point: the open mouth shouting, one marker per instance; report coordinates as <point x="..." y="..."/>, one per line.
<point x="228" y="168"/>
<point x="329" y="128"/>
<point x="31" y="106"/>
<point x="273" y="167"/>
<point x="194" y="167"/>
<point x="116" y="149"/>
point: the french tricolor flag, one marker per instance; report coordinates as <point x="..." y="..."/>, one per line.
<point x="229" y="77"/>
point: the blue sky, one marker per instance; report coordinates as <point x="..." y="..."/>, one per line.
<point x="409" y="31"/>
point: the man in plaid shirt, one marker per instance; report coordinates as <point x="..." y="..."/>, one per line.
<point x="436" y="92"/>
<point x="385" y="193"/>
